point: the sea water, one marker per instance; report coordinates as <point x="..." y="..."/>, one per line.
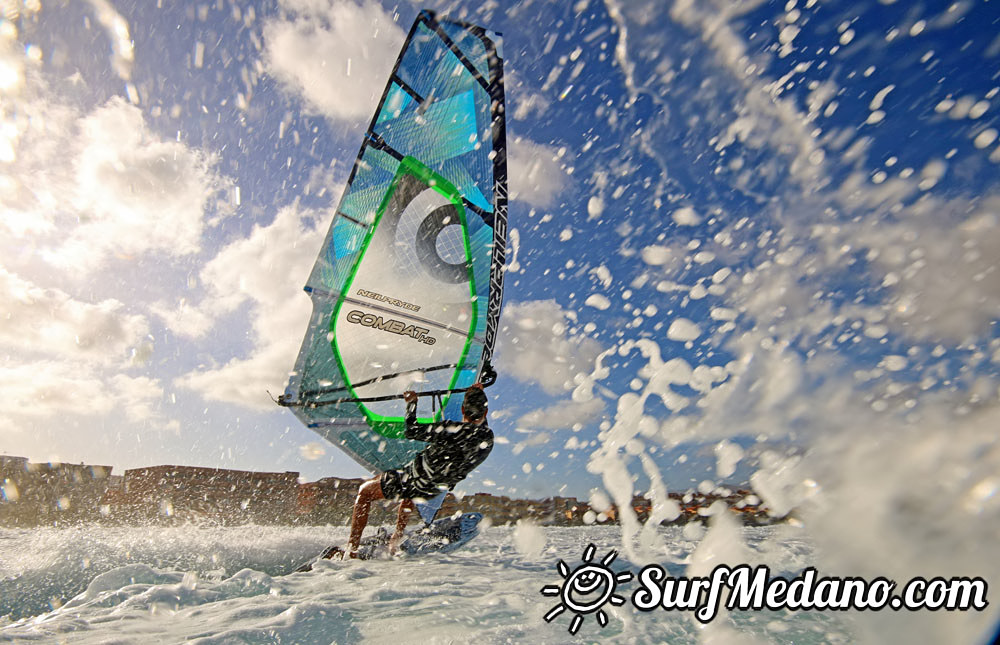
<point x="237" y="585"/>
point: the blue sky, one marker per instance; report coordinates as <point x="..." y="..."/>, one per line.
<point x="738" y="229"/>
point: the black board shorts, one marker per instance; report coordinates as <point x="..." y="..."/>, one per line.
<point x="397" y="484"/>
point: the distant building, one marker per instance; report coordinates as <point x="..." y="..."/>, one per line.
<point x="37" y="494"/>
<point x="188" y="493"/>
<point x="32" y="494"/>
<point x="10" y="464"/>
<point x="552" y="511"/>
<point x="327" y="501"/>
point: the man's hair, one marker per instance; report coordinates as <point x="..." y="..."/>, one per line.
<point x="474" y="405"/>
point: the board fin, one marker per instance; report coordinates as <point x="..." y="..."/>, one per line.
<point x="429" y="508"/>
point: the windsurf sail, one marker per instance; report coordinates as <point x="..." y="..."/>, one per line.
<point x="408" y="285"/>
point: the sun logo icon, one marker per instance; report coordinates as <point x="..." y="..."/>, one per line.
<point x="586" y="589"/>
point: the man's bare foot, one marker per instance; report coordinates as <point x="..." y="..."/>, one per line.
<point x="334" y="553"/>
<point x="394" y="542"/>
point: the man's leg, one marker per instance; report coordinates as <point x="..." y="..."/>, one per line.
<point x="370" y="491"/>
<point x="402" y="519"/>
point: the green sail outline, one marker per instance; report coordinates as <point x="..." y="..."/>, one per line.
<point x="393" y="427"/>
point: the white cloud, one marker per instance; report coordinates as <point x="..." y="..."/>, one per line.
<point x="136" y="396"/>
<point x="563" y="415"/>
<point x="85" y="187"/>
<point x="535" y="173"/>
<point x="262" y="266"/>
<point x="334" y="54"/>
<point x="537" y="346"/>
<point x="51" y="389"/>
<point x="44" y="391"/>
<point x="77" y="189"/>
<point x="51" y="322"/>
<point x="535" y="439"/>
<point x="136" y="192"/>
<point x="528" y="103"/>
<point x="268" y="270"/>
<point x="184" y="319"/>
<point x="246" y="381"/>
<point x="38" y="175"/>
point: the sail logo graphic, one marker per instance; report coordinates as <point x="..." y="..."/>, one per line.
<point x="586" y="589"/>
<point x="395" y="302"/>
<point x="393" y="326"/>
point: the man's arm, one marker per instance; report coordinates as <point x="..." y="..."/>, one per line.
<point x="414" y="430"/>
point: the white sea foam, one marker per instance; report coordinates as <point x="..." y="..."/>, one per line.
<point x="226" y="585"/>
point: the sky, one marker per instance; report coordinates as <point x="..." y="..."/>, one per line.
<point x="744" y="236"/>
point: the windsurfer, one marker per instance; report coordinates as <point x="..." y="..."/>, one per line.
<point x="454" y="449"/>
